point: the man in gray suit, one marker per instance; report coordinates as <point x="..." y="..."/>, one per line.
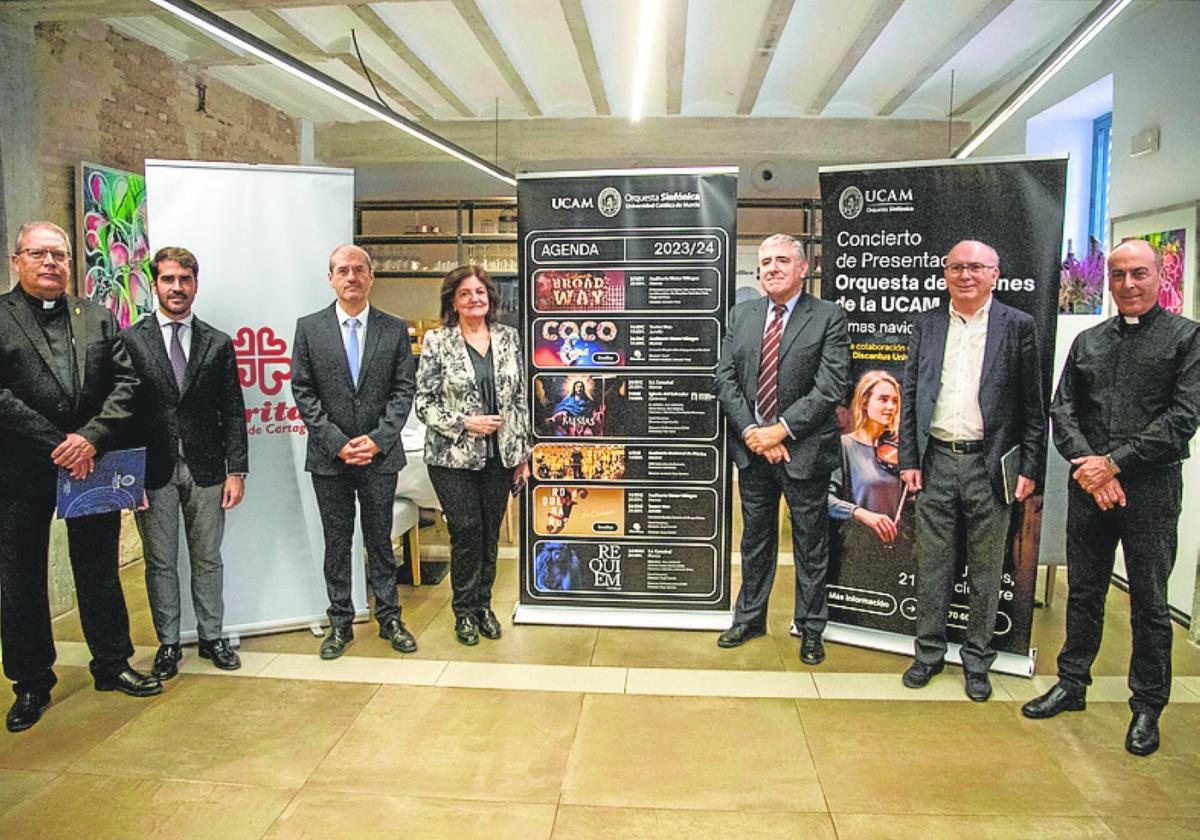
<point x="192" y="419"/>
<point x="784" y="368"/>
<point x="353" y="378"/>
<point x="972" y="395"/>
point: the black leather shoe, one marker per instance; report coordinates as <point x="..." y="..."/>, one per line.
<point x="1142" y="738"/>
<point x="919" y="674"/>
<point x="221" y="654"/>
<point x="130" y="682"/>
<point x="812" y="649"/>
<point x="166" y="661"/>
<point x="396" y="633"/>
<point x="335" y="644"/>
<point x="27" y="710"/>
<point x="979" y="686"/>
<point x="489" y="625"/>
<point x="739" y="634"/>
<point x="1062" y="697"/>
<point x="466" y="629"/>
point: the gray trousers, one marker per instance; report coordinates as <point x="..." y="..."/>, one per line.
<point x="204" y="526"/>
<point x="957" y="488"/>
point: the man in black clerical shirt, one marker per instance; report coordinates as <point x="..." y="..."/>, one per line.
<point x="66" y="391"/>
<point x="1127" y="404"/>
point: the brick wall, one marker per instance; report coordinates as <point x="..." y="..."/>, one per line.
<point x="108" y="99"/>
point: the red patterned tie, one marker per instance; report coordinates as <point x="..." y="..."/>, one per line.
<point x="767" y="398"/>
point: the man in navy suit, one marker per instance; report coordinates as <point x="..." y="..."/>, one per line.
<point x="972" y="395"/>
<point x="784" y="369"/>
<point x="353" y="378"/>
<point x="191" y="418"/>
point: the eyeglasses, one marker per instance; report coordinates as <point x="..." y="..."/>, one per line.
<point x="40" y="254"/>
<point x="964" y="268"/>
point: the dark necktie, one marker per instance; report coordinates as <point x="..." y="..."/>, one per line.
<point x="767" y="398"/>
<point x="178" y="360"/>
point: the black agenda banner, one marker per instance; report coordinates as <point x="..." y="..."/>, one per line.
<point x="886" y="232"/>
<point x="626" y="277"/>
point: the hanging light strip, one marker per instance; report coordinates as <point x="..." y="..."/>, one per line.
<point x="1101" y="17"/>
<point x="223" y="30"/>
<point x="645" y="44"/>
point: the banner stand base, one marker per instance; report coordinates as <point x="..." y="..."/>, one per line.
<point x="845" y="634"/>
<point x="600" y="617"/>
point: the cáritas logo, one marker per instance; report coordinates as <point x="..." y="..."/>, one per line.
<point x="262" y="359"/>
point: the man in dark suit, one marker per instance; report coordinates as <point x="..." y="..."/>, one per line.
<point x="1126" y="409"/>
<point x="353" y="378"/>
<point x="190" y="415"/>
<point x="66" y="390"/>
<point x="784" y="368"/>
<point x="972" y="394"/>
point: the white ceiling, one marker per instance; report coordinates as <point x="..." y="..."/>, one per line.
<point x="456" y="60"/>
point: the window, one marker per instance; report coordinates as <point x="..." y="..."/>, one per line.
<point x="1101" y="160"/>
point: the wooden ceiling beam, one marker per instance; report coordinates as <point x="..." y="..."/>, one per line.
<point x="768" y="38"/>
<point x="478" y="25"/>
<point x="378" y="26"/>
<point x="945" y="53"/>
<point x="581" y="35"/>
<point x="876" y="22"/>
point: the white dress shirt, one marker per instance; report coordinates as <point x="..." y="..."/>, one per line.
<point x="956" y="416"/>
<point x="342" y="317"/>
<point x="185" y="332"/>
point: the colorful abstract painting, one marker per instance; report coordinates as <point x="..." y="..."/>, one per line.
<point x="1170" y="243"/>
<point x="115" y="244"/>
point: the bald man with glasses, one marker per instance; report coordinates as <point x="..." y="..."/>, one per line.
<point x="972" y="394"/>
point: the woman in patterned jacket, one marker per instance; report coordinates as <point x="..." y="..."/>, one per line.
<point x="471" y="397"/>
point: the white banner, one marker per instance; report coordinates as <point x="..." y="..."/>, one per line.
<point x="262" y="236"/>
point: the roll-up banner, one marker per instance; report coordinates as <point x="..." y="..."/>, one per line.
<point x="262" y="236"/>
<point x="627" y="277"/>
<point x="887" y="230"/>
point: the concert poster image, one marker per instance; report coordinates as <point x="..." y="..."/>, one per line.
<point x="572" y="290"/>
<point x="622" y="405"/>
<point x="625" y="511"/>
<point x="690" y="343"/>
<point x="653" y="573"/>
<point x="579" y="462"/>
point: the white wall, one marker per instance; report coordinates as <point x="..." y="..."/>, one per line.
<point x="1150" y="50"/>
<point x="1074" y="138"/>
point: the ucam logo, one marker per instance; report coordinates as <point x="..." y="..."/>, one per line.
<point x="850" y="203"/>
<point x="570" y="202"/>
<point x="609" y="202"/>
<point x="889" y="196"/>
<point x="262" y="359"/>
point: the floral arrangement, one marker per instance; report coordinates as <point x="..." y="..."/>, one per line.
<point x="1081" y="282"/>
<point x="116" y="245"/>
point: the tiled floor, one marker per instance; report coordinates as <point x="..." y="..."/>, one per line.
<point x="571" y="733"/>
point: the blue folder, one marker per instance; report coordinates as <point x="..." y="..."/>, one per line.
<point x="117" y="483"/>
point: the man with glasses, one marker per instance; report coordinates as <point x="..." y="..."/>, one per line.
<point x="972" y="395"/>
<point x="66" y="392"/>
<point x="1127" y="404"/>
<point x="353" y="378"/>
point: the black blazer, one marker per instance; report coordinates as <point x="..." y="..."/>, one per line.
<point x="333" y="409"/>
<point x="208" y="415"/>
<point x="814" y="368"/>
<point x="37" y="409"/>
<point x="1010" y="391"/>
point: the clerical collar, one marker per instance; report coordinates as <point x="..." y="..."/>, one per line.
<point x="1127" y="321"/>
<point x="40" y="304"/>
